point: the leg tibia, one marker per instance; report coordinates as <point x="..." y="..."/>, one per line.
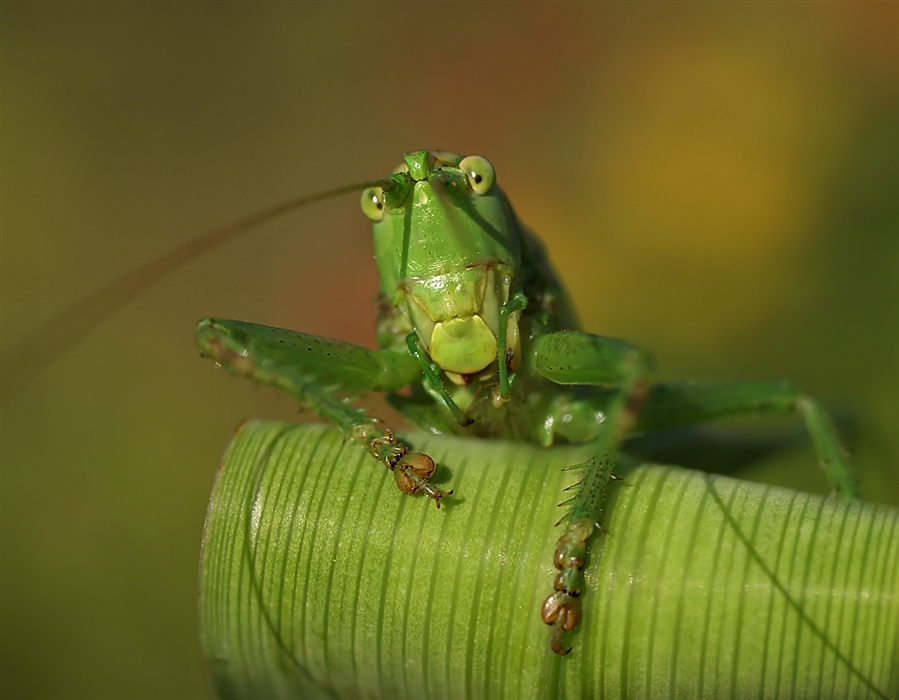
<point x="831" y="455"/>
<point x="255" y="352"/>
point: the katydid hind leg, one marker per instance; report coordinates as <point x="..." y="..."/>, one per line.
<point x="304" y="367"/>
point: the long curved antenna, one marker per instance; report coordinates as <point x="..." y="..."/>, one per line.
<point x="27" y="357"/>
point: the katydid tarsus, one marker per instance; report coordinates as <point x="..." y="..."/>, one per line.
<point x="477" y="331"/>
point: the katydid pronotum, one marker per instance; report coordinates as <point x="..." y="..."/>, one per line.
<point x="476" y="329"/>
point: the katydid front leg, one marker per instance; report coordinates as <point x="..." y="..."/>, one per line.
<point x="577" y="358"/>
<point x="580" y="358"/>
<point x="308" y="368"/>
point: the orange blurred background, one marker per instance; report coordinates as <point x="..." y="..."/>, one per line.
<point x="717" y="183"/>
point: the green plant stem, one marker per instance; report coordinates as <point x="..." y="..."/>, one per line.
<point x="320" y="579"/>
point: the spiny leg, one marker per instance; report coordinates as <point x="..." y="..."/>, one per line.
<point x="302" y="366"/>
<point x="580" y="358"/>
<point x="670" y="405"/>
<point x="562" y="609"/>
<point x="686" y="403"/>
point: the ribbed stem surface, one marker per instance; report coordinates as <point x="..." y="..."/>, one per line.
<point x="320" y="579"/>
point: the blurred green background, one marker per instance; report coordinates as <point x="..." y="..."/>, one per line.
<point x="718" y="183"/>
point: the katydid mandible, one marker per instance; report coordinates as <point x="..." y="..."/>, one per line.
<point x="475" y="325"/>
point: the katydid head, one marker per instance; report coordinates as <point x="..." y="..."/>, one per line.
<point x="448" y="249"/>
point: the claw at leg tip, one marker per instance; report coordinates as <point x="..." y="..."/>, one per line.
<point x="444" y="494"/>
<point x="556" y="643"/>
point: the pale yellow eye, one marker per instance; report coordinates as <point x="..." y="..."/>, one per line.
<point x="479" y="172"/>
<point x="373" y="203"/>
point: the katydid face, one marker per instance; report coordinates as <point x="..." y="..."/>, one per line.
<point x="437" y="267"/>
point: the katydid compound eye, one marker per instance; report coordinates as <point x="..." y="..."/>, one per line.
<point x="373" y="203"/>
<point x="479" y="172"/>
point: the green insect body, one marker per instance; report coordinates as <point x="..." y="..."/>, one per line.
<point x="474" y="324"/>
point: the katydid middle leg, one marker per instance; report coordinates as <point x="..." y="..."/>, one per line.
<point x="309" y="368"/>
<point x="676" y="404"/>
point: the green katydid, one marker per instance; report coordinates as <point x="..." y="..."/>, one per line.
<point x="473" y="318"/>
<point x="476" y="329"/>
